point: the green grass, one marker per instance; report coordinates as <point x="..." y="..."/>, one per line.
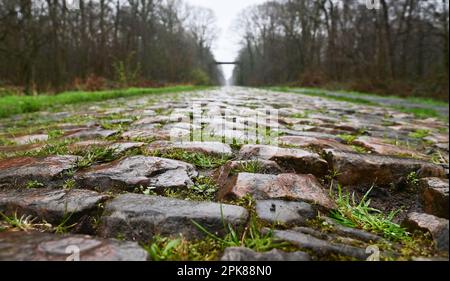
<point x="252" y="167"/>
<point x="93" y="155"/>
<point x="10" y="105"/>
<point x="362" y="98"/>
<point x="360" y="215"/>
<point x="204" y="189"/>
<point x="347" y="138"/>
<point x="180" y="249"/>
<point x="34" y="184"/>
<point x="23" y="223"/>
<point x="323" y="94"/>
<point x="422" y="113"/>
<point x="200" y="160"/>
<point x="419" y="134"/>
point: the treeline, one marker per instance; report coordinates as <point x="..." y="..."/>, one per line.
<point x="399" y="47"/>
<point x="53" y="45"/>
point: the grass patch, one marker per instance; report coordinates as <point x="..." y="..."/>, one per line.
<point x="95" y="154"/>
<point x="360" y="215"/>
<point x="23" y="223"/>
<point x="204" y="189"/>
<point x="252" y="167"/>
<point x="34" y="184"/>
<point x="360" y="98"/>
<point x="348" y="139"/>
<point x="10" y="105"/>
<point x="421" y="113"/>
<point x="323" y="94"/>
<point x="200" y="160"/>
<point x="419" y="134"/>
<point x="180" y="249"/>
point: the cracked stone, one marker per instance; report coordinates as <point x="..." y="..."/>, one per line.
<point x="137" y="171"/>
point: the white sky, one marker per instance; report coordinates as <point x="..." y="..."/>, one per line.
<point x="227" y="11"/>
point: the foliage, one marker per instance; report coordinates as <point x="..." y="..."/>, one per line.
<point x="200" y="78"/>
<point x="200" y="160"/>
<point x="10" y="105"/>
<point x="360" y="215"/>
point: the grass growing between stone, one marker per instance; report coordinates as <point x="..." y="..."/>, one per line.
<point x="200" y="160"/>
<point x="10" y="105"/>
<point x="350" y="213"/>
<point x="180" y="249"/>
<point x="23" y="223"/>
<point x="204" y="189"/>
<point x="95" y="154"/>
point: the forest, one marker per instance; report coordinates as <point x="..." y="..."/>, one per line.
<point x="398" y="47"/>
<point x="57" y="45"/>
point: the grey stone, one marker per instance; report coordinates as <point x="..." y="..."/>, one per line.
<point x="51" y="205"/>
<point x="287" y="212"/>
<point x="36" y="246"/>
<point x="140" y="217"/>
<point x="137" y="171"/>
<point x="245" y="254"/>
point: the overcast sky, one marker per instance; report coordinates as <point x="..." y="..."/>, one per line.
<point x="226" y="47"/>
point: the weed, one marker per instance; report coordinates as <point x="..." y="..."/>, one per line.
<point x="299" y="115"/>
<point x="63" y="226"/>
<point x="23" y="223"/>
<point x="419" y="134"/>
<point x="412" y="179"/>
<point x="179" y="249"/>
<point x="348" y="139"/>
<point x="253" y="167"/>
<point x="34" y="184"/>
<point x="54" y="134"/>
<point x="251" y="237"/>
<point x="204" y="189"/>
<point x="360" y="215"/>
<point x="69" y="184"/>
<point x="95" y="155"/>
<point x="360" y="149"/>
